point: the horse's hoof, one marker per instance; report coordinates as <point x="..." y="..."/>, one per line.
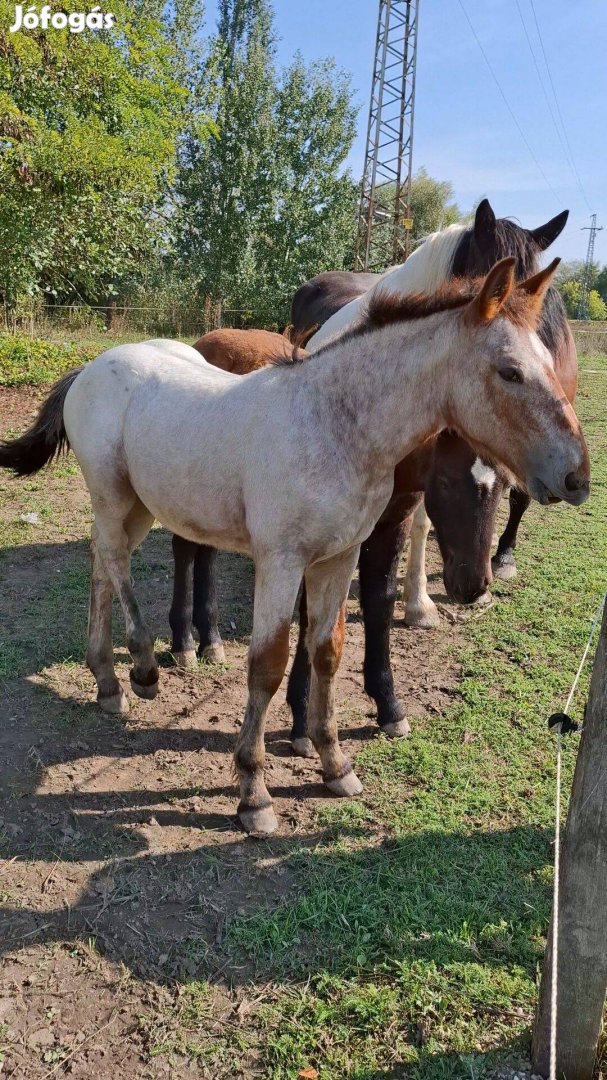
<point x="258" y="821"/>
<point x="147" y="692"/>
<point x="422" y="616"/>
<point x="504" y="571"/>
<point x="303" y="747"/>
<point x="484" y="600"/>
<point x="186" y="659"/>
<point x="400" y="729"/>
<point x="345" y="786"/>
<point x="214" y="654"/>
<point x="115" y="704"/>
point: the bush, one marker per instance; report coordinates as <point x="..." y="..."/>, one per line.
<point x="28" y="361"/>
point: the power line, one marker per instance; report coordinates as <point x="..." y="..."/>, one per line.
<point x="507" y="103"/>
<point x="558" y="108"/>
<point x="544" y="91"/>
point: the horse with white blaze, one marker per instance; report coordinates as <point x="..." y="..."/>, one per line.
<point x="259" y="464"/>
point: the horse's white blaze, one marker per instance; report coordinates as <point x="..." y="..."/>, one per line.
<point x="425" y="270"/>
<point x="484" y="475"/>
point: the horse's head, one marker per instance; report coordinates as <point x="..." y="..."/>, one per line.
<point x="491" y="238"/>
<point x="505" y="397"/>
<point x="462" y="494"/>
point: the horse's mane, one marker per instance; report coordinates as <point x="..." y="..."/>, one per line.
<point x="386" y="309"/>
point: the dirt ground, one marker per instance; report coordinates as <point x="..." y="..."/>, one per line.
<point x="122" y="862"/>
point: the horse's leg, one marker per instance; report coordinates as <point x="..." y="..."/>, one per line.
<point x="100" y="652"/>
<point x="420" y="611"/>
<point x="327" y="589"/>
<point x="378" y="577"/>
<point x="298" y="688"/>
<point x="205" y="605"/>
<point x="180" y="615"/>
<point x="276" y="586"/>
<point x="117" y="535"/>
<point x="503" y="562"/>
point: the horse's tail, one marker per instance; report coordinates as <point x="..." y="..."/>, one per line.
<point x="45" y="439"/>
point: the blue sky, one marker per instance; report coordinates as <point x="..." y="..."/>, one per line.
<point x="463" y="130"/>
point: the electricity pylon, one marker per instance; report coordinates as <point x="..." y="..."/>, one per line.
<point x="384" y="220"/>
<point x="582" y="307"/>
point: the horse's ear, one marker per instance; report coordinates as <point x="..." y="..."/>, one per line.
<point x="535" y="287"/>
<point x="495" y="290"/>
<point x="484" y="225"/>
<point x="545" y="235"/>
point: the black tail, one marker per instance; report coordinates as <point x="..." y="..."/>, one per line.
<point x="45" y="439"/>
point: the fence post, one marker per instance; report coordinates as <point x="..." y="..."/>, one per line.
<point x="582" y="959"/>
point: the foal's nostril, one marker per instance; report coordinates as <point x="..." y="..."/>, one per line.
<point x="575" y="482"/>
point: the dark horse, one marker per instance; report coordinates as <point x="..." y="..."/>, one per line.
<point x="461" y="496"/>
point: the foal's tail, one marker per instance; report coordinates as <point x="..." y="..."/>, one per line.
<point x="45" y="439"/>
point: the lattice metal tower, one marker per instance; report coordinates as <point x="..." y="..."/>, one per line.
<point x="384" y="221"/>
<point x="593" y="229"/>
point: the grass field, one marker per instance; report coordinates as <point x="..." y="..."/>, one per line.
<point x="408" y="940"/>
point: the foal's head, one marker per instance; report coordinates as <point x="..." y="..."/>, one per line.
<point x="491" y="238"/>
<point x="462" y="494"/>
<point x="505" y="398"/>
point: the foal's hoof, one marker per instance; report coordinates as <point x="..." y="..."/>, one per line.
<point x="213" y="654"/>
<point x="303" y="747"/>
<point x="400" y="729"/>
<point x="115" y="704"/>
<point x="504" y="567"/>
<point x="484" y="600"/>
<point x="147" y="690"/>
<point x="346" y="785"/>
<point x="258" y="820"/>
<point x="422" y="616"/>
<point x="186" y="659"/>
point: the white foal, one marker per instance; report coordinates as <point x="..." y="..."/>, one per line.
<point x="294" y="465"/>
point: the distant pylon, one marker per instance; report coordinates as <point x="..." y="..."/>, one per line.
<point x="593" y="229"/>
<point x="384" y="220"/>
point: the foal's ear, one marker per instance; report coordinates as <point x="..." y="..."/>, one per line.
<point x="535" y="287"/>
<point x="485" y="223"/>
<point x="545" y="235"/>
<point x="495" y="290"/>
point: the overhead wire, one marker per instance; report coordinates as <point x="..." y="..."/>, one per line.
<point x="558" y="107"/>
<point x="507" y="103"/>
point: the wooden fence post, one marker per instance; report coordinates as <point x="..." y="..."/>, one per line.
<point x="582" y="960"/>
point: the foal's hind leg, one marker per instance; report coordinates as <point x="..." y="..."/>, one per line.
<point x="298" y="689"/>
<point x="420" y="611"/>
<point x="327" y="591"/>
<point x="276" y="586"/>
<point x="119" y="530"/>
<point x="100" y="652"/>
<point x="180" y="615"/>
<point x="205" y="605"/>
<point x="503" y="562"/>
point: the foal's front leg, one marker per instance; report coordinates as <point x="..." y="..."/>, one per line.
<point x="276" y="586"/>
<point x="420" y="611"/>
<point x="378" y="575"/>
<point x="327" y="586"/>
<point x="503" y="562"/>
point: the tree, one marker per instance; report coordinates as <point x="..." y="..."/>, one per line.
<point x="89" y="125"/>
<point x="432" y="209"/>
<point x="597" y="308"/>
<point x="263" y="203"/>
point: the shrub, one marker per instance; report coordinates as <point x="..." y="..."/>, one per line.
<point x="28" y="361"/>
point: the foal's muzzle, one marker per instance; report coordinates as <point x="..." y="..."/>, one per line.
<point x="463" y="584"/>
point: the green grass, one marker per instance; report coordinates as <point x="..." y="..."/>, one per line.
<point x="410" y="941"/>
<point x="413" y="939"/>
<point x="26" y="361"/>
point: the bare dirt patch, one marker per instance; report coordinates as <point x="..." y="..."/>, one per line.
<point x="122" y="862"/>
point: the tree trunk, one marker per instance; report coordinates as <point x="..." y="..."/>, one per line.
<point x="582" y="961"/>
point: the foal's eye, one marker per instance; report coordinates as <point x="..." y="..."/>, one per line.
<point x="511" y="374"/>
